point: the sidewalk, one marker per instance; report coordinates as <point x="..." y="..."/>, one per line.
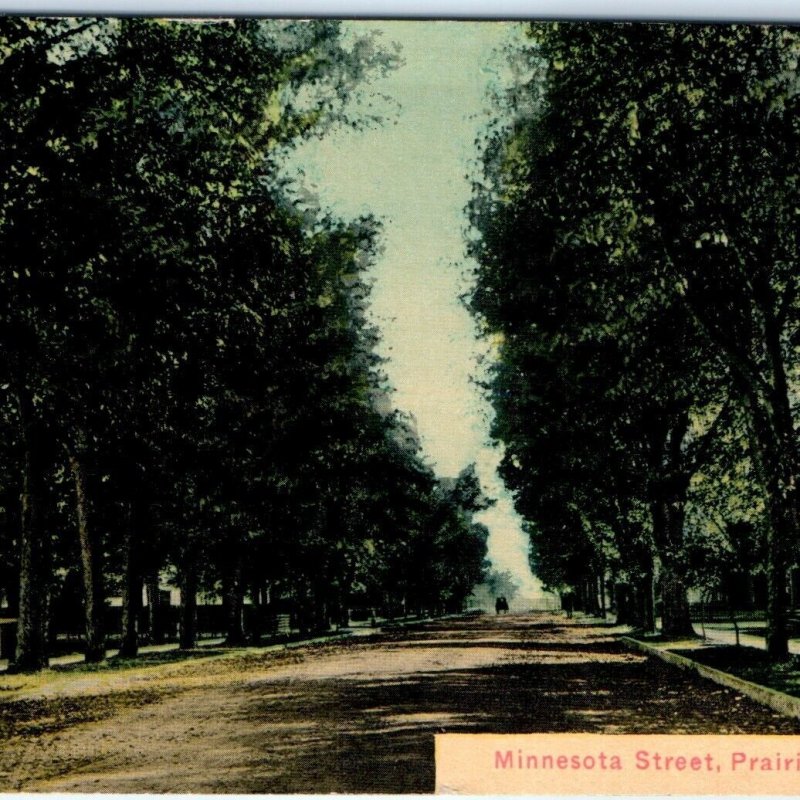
<point x="356" y="629"/>
<point x="723" y="633"/>
<point x="77" y="658"/>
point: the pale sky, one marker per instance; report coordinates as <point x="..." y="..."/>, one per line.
<point x="411" y="174"/>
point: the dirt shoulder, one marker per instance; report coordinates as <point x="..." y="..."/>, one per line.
<point x="352" y="716"/>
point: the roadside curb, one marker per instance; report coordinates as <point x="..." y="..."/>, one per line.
<point x="784" y="704"/>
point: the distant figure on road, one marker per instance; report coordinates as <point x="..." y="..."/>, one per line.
<point x="501" y="604"/>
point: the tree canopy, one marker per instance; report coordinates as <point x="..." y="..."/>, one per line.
<point x="189" y="381"/>
<point x="637" y="256"/>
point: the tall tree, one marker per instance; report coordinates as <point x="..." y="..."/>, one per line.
<point x="139" y="151"/>
<point x="603" y="229"/>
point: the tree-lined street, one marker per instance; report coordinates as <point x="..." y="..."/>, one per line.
<point x="308" y="325"/>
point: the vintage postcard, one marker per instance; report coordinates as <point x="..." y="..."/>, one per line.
<point x="399" y="406"/>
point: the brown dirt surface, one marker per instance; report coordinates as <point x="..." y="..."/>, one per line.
<point x="351" y="716"/>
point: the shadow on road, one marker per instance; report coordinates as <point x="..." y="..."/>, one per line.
<point x="375" y="736"/>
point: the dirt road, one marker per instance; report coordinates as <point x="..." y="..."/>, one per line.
<point x="352" y="716"/>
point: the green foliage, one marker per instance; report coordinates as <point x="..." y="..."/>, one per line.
<point x="190" y="344"/>
<point x="637" y="270"/>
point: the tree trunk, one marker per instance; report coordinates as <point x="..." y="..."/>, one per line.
<point x="777" y="635"/>
<point x="579" y="592"/>
<point x="675" y="619"/>
<point x="782" y="486"/>
<point x="601" y="588"/>
<point x="233" y="597"/>
<point x="259" y="596"/>
<point x="321" y="615"/>
<point x="93" y="596"/>
<point x="782" y="530"/>
<point x="775" y="473"/>
<point x="669" y="486"/>
<point x="775" y="456"/>
<point x="31" y="650"/>
<point x="590" y="593"/>
<point x="343" y="616"/>
<point x="648" y="602"/>
<point x="188" y="637"/>
<point x="641" y="614"/>
<point x="131" y="587"/>
<point x="668" y="520"/>
<point x="12" y="590"/>
<point x="623" y="604"/>
<point x="155" y="609"/>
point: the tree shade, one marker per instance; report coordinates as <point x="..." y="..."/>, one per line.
<point x="189" y="378"/>
<point x="638" y="271"/>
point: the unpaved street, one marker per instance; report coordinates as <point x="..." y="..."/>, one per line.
<point x="352" y="716"/>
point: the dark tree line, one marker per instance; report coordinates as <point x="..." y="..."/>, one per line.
<point x="638" y="249"/>
<point x="189" y="384"/>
